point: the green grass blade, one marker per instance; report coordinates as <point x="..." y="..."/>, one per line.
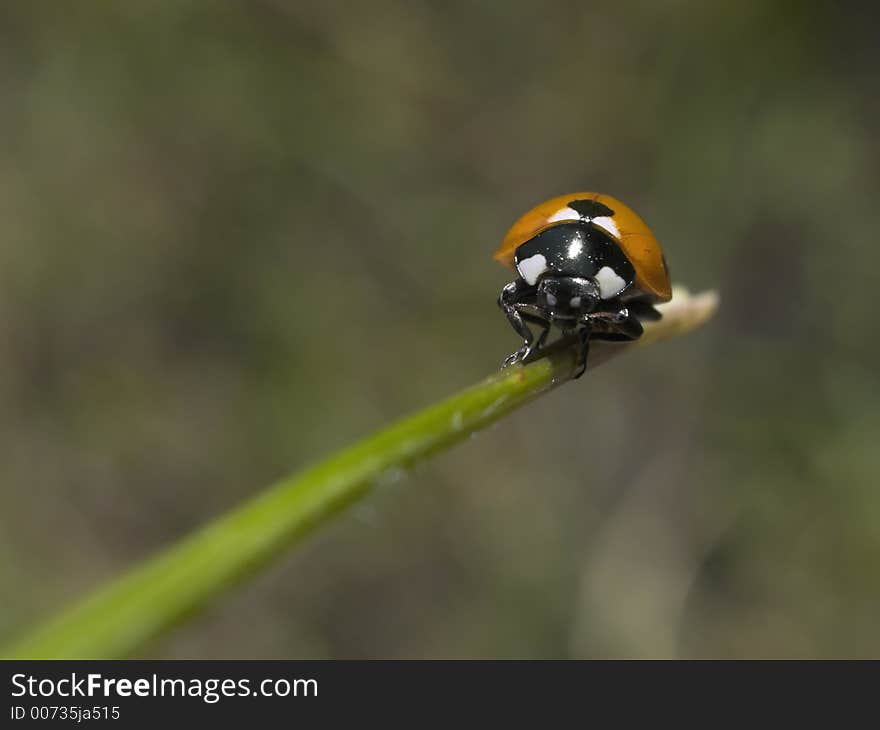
<point x="117" y="619"/>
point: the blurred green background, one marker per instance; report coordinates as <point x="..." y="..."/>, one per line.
<point x="237" y="236"/>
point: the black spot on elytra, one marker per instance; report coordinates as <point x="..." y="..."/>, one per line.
<point x="590" y="209"/>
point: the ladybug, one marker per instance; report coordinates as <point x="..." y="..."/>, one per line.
<point x="585" y="263"/>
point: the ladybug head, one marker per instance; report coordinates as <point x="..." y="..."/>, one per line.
<point x="567" y="297"/>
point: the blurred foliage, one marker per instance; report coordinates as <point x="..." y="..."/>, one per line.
<point x="221" y="225"/>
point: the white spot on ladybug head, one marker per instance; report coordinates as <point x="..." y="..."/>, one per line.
<point x="551" y="300"/>
<point x="564" y="214"/>
<point x="610" y="284"/>
<point x="532" y="267"/>
<point x="607" y="224"/>
<point x="575" y="303"/>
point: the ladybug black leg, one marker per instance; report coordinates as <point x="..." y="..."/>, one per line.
<point x="541" y="322"/>
<point x="532" y="345"/>
<point x="621" y="325"/>
<point x="584" y="334"/>
<point x="628" y="326"/>
<point x="543" y="338"/>
<point x="514" y="296"/>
